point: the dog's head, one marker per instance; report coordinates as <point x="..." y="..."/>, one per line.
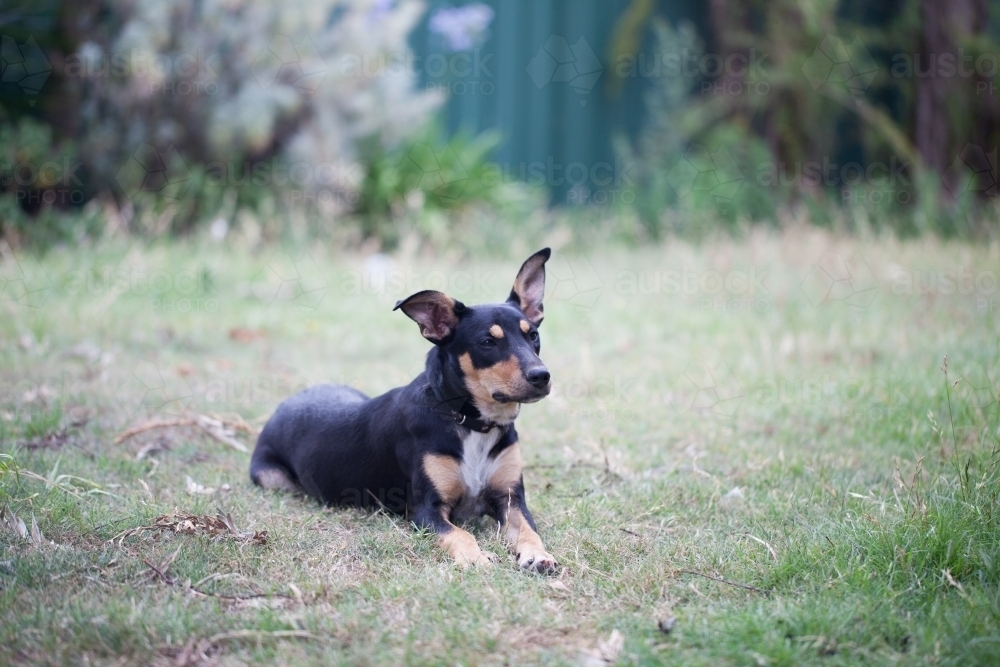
<point x="494" y="346"/>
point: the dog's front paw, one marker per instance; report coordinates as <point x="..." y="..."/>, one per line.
<point x="536" y="559"/>
<point x="484" y="559"/>
<point x="463" y="548"/>
<point x="477" y="558"/>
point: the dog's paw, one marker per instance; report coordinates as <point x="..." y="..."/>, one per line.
<point x="536" y="560"/>
<point x="470" y="558"/>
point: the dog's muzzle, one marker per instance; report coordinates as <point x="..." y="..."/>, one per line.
<point x="539" y="386"/>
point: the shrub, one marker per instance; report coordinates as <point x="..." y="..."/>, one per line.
<point x="41" y="183"/>
<point x="191" y="100"/>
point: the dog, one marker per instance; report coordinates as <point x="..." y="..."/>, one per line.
<point x="443" y="449"/>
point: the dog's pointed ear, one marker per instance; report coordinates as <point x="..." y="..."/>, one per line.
<point x="529" y="287"/>
<point x="435" y="312"/>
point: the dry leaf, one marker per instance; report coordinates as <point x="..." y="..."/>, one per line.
<point x="12" y="523"/>
<point x="36" y="534"/>
<point x="220" y="525"/>
<point x="145" y="486"/>
<point x="194" y="488"/>
<point x="606" y="652"/>
<point x="245" y="334"/>
<point x="734" y="495"/>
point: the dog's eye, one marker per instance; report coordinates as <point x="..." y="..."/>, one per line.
<point x="488" y="342"/>
<point x="533" y="335"/>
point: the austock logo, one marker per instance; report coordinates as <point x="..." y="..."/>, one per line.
<point x="22" y="281"/>
<point x="152" y="389"/>
<point x="288" y="61"/>
<point x="23" y="64"/>
<point x="296" y="280"/>
<point x="558" y="62"/>
<point x="148" y="170"/>
<point x="709" y="389"/>
<point x="423" y="169"/>
<point x="703" y="174"/>
<point x="839" y="65"/>
<point x="573" y="280"/>
<point x="974" y="170"/>
<point x="836" y="279"/>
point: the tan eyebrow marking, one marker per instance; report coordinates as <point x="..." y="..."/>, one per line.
<point x="496" y="331"/>
<point x="525" y="326"/>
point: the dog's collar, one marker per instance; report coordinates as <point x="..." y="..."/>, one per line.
<point x="469" y="417"/>
<point x="466" y="415"/>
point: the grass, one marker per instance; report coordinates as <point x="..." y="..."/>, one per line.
<point x="793" y="431"/>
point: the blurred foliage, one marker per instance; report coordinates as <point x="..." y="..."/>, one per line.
<point x="434" y="186"/>
<point x="260" y="94"/>
<point x="187" y="113"/>
<point x="170" y="115"/>
<point x="33" y="166"/>
<point x="41" y="183"/>
<point x="837" y="83"/>
<point x="429" y="171"/>
<point x="199" y="109"/>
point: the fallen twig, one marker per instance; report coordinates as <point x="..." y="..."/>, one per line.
<point x="216" y="428"/>
<point x="149" y="426"/>
<point x="220" y="525"/>
<point x="774" y="554"/>
<point x="724" y="581"/>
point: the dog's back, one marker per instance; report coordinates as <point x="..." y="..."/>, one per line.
<point x="300" y="419"/>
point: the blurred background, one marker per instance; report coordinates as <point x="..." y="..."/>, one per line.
<point x="771" y="318"/>
<point x="377" y="121"/>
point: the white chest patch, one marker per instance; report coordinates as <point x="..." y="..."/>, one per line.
<point x="477" y="466"/>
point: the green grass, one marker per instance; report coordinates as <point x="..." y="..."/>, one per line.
<point x="801" y="441"/>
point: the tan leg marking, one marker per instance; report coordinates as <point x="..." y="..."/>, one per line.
<point x="508" y="470"/>
<point x="462" y="546"/>
<point x="527" y="545"/>
<point x="445" y="474"/>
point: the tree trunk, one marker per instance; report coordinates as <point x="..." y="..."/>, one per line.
<point x="945" y="24"/>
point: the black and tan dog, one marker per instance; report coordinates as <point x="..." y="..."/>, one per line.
<point x="442" y="449"/>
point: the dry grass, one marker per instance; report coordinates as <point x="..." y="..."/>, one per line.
<point x="720" y="464"/>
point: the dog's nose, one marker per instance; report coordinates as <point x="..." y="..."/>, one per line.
<point x="539" y="377"/>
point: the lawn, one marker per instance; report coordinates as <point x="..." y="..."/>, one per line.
<point x="755" y="453"/>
